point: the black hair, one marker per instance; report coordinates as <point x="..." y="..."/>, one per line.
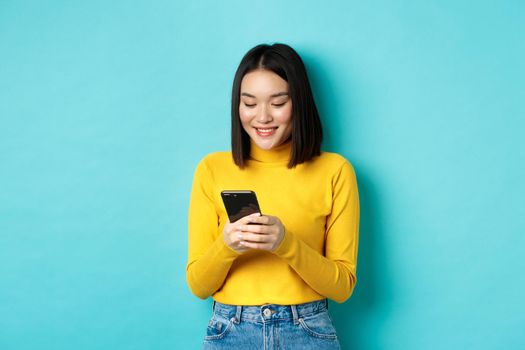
<point x="307" y="132"/>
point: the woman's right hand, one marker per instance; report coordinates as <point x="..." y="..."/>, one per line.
<point x="232" y="235"/>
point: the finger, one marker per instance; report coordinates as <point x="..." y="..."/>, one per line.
<point x="246" y="219"/>
<point x="260" y="229"/>
<point x="237" y="236"/>
<point x="256" y="238"/>
<point x="263" y="220"/>
<point x="272" y="220"/>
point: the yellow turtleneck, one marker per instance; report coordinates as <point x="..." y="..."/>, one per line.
<point x="318" y="204"/>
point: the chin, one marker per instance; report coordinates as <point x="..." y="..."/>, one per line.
<point x="266" y="144"/>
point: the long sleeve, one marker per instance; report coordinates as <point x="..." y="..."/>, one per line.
<point x="318" y="203"/>
<point x="332" y="275"/>
<point x="209" y="258"/>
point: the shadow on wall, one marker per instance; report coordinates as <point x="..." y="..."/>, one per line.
<point x="358" y="315"/>
<point x="354" y="318"/>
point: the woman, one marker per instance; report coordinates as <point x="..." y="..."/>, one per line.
<point x="270" y="275"/>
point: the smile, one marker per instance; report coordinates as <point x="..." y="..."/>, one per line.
<point x="265" y="132"/>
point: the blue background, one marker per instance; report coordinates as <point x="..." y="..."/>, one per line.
<point x="106" y="108"/>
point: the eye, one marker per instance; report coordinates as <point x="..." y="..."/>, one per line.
<point x="278" y="104"/>
<point x="249" y="105"/>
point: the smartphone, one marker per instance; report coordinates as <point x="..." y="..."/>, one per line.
<point x="239" y="204"/>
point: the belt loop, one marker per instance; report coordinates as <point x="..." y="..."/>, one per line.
<point x="295" y="315"/>
<point x="213" y="307"/>
<point x="238" y="314"/>
<point x="326" y="302"/>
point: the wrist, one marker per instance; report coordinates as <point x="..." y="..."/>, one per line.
<point x="280" y="246"/>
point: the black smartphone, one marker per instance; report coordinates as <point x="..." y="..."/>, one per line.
<point x="239" y="204"/>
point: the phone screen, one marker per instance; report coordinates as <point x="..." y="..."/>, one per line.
<point x="240" y="204"/>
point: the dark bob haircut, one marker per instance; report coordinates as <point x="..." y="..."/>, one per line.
<point x="307" y="132"/>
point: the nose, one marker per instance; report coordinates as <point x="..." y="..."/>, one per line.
<point x="264" y="116"/>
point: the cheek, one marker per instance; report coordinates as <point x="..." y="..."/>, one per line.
<point x="284" y="115"/>
<point x="245" y="114"/>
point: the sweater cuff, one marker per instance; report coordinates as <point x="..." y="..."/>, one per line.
<point x="224" y="250"/>
<point x="285" y="245"/>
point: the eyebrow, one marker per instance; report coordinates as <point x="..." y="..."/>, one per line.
<point x="283" y="93"/>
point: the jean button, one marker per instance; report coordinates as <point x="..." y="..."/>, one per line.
<point x="267" y="312"/>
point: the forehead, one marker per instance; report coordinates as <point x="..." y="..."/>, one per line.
<point x="263" y="83"/>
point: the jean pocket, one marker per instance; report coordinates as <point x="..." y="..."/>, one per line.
<point x="318" y="326"/>
<point x="218" y="328"/>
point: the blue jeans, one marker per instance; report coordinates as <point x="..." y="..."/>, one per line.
<point x="269" y="326"/>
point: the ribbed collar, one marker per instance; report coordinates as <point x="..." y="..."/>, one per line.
<point x="279" y="154"/>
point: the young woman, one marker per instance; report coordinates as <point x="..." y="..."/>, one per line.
<point x="270" y="275"/>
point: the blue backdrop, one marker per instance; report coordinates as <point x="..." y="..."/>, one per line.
<point x="106" y="108"/>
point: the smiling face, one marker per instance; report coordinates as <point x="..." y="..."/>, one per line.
<point x="265" y="108"/>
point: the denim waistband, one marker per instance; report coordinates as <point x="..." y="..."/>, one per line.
<point x="269" y="312"/>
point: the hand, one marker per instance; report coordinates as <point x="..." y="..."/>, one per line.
<point x="232" y="233"/>
<point x="265" y="236"/>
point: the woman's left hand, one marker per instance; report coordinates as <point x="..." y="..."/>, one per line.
<point x="265" y="236"/>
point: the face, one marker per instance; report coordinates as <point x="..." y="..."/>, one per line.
<point x="266" y="108"/>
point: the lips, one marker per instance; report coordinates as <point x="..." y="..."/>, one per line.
<point x="265" y="132"/>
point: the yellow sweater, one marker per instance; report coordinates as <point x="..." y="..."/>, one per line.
<point x="318" y="204"/>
